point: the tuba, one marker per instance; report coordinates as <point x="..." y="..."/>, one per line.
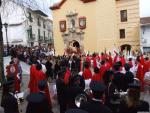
<point x="81" y="98"/>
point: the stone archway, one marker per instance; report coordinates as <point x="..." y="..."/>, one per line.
<point x="125" y="47"/>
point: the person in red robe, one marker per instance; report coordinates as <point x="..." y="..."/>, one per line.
<point x="32" y="81"/>
<point x="88" y="59"/>
<point x="40" y="75"/>
<point x="110" y="59"/>
<point x="140" y="72"/>
<point x="102" y="69"/>
<point x="123" y="61"/>
<point x="96" y="76"/>
<point x="12" y="71"/>
<point x="146" y="65"/>
<point x="107" y="64"/>
<point x="142" y="61"/>
<point x="67" y="76"/>
<point x="116" y="58"/>
<point x="130" y="62"/>
<point x="87" y="74"/>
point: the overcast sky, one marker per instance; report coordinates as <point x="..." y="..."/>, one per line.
<point x="144" y="6"/>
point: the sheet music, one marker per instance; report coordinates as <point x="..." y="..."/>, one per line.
<point x="19" y="95"/>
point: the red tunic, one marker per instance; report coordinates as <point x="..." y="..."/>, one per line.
<point x="87" y="74"/>
<point x="130" y="63"/>
<point x="110" y="60"/>
<point x="94" y="63"/>
<point x="96" y="77"/>
<point x="140" y="74"/>
<point x="142" y="60"/>
<point x="40" y="75"/>
<point x="88" y="59"/>
<point x="12" y="70"/>
<point x="146" y="66"/>
<point x="123" y="61"/>
<point x="32" y="81"/>
<point x="102" y="71"/>
<point x="66" y="76"/>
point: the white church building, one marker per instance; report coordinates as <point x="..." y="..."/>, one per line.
<point x="26" y="26"/>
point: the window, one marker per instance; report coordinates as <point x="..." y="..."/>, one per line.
<point x="38" y="22"/>
<point x="30" y="29"/>
<point x="39" y="34"/>
<point x="123" y="14"/>
<point x="122" y="33"/>
<point x="30" y="17"/>
<point x="44" y="25"/>
<point x="44" y="35"/>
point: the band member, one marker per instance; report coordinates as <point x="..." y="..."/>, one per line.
<point x="75" y="111"/>
<point x="9" y="102"/>
<point x="131" y="102"/>
<point x="75" y="87"/>
<point x="96" y="105"/>
<point x="118" y="80"/>
<point x="61" y="91"/>
<point x="38" y="102"/>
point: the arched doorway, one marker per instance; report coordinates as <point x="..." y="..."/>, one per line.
<point x="125" y="47"/>
<point x="76" y="44"/>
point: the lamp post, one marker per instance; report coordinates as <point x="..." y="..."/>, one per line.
<point x="6" y="26"/>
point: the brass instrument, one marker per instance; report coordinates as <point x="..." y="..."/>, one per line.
<point x="83" y="97"/>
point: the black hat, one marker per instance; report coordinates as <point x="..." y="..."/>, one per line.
<point x="76" y="111"/>
<point x="35" y="98"/>
<point x="116" y="66"/>
<point x="42" y="84"/>
<point x="134" y="86"/>
<point x="127" y="66"/>
<point x="97" y="86"/>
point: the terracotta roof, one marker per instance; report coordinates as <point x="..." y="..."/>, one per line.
<point x="145" y="20"/>
<point x="59" y="4"/>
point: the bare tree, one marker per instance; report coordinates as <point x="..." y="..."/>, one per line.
<point x="3" y="3"/>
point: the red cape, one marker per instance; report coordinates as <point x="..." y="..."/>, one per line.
<point x="87" y="74"/>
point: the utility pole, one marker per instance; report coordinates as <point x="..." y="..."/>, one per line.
<point x="2" y="78"/>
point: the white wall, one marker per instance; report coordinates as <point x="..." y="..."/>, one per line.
<point x="145" y="34"/>
<point x="15" y="33"/>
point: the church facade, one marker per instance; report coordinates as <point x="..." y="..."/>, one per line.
<point x="95" y="25"/>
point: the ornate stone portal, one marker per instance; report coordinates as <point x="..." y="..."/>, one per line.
<point x="73" y="36"/>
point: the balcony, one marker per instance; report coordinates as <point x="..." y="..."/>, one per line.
<point x="40" y="38"/>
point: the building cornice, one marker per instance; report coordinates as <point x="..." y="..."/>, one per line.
<point x="59" y="4"/>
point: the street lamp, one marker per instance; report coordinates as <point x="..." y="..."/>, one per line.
<point x="6" y="26"/>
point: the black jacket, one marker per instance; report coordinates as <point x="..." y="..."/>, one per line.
<point x="10" y="104"/>
<point x="38" y="103"/>
<point x="95" y="107"/>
